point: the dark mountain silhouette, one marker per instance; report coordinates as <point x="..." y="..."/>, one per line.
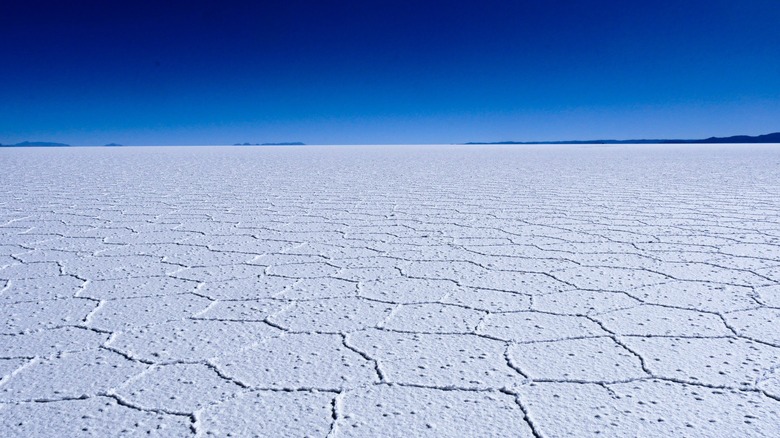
<point x="35" y="143"/>
<point x="766" y="138"/>
<point x="113" y="144"/>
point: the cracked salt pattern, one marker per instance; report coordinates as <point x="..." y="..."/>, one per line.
<point x="390" y="291"/>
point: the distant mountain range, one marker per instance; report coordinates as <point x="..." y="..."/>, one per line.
<point x="35" y="143"/>
<point x="767" y="138"/>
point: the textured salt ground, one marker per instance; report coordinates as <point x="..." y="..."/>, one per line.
<point x="390" y="291"/>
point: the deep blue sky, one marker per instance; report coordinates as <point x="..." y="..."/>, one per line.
<point x="371" y="71"/>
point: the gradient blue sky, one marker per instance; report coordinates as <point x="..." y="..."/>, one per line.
<point x="372" y="71"/>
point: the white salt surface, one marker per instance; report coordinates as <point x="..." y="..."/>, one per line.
<point x="390" y="291"/>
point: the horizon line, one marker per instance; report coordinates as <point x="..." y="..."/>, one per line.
<point x="773" y="137"/>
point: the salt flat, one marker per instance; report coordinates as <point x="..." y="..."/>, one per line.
<point x="390" y="291"/>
